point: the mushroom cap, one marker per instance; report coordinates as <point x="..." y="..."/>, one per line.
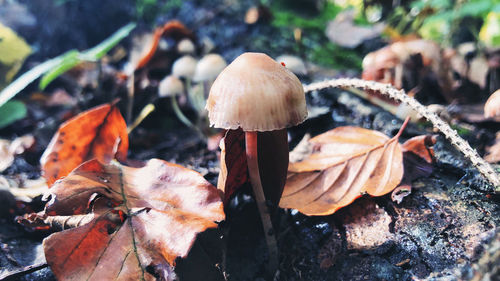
<point x="170" y="86"/>
<point x="185" y="46"/>
<point x="293" y="63"/>
<point x="256" y="93"/>
<point x="209" y="67"/>
<point x="184" y="67"/>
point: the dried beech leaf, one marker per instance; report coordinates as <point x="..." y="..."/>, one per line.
<point x="173" y="28"/>
<point x="344" y="164"/>
<point x="272" y="147"/>
<point x="421" y="146"/>
<point x="98" y="133"/>
<point x="418" y="157"/>
<point x="152" y="216"/>
<point x="400" y="192"/>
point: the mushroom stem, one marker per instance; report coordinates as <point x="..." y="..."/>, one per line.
<point x="253" y="170"/>
<point x="183" y="118"/>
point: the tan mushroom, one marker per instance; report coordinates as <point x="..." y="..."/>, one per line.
<point x="263" y="98"/>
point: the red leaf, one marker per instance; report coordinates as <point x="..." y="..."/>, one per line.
<point x="156" y="213"/>
<point x="98" y="133"/>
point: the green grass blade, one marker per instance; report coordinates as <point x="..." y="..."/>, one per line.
<point x="100" y="50"/>
<point x="69" y="60"/>
<point x="24" y="80"/>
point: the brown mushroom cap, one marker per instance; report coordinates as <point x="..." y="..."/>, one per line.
<point x="256" y="93"/>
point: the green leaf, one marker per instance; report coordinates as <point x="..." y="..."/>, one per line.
<point x="73" y="58"/>
<point x="69" y="60"/>
<point x="11" y="112"/>
<point x="100" y="50"/>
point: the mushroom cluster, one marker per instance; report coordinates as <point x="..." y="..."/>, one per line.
<point x="186" y="70"/>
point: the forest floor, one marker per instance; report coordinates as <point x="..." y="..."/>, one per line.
<point x="446" y="229"/>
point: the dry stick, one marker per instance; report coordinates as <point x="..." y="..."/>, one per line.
<point x="16" y="274"/>
<point x="386" y="89"/>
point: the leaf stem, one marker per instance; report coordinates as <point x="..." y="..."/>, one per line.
<point x="253" y="170"/>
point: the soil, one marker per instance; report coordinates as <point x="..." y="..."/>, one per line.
<point x="446" y="229"/>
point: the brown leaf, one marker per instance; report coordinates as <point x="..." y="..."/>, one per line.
<point x="152" y="216"/>
<point x="345" y="163"/>
<point x="400" y="192"/>
<point x="9" y="149"/>
<point x="418" y="157"/>
<point x="421" y="146"/>
<point x="273" y="160"/>
<point x="98" y="133"/>
<point x="173" y="28"/>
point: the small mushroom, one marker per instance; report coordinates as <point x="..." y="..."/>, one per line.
<point x="184" y="67"/>
<point x="185" y="46"/>
<point x="206" y="71"/>
<point x="261" y="97"/>
<point x="492" y="105"/>
<point x="293" y="63"/>
<point x="209" y="67"/>
<point x="172" y="86"/>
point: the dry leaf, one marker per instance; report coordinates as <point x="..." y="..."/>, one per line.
<point x="400" y="192"/>
<point x="343" y="32"/>
<point x="418" y="157"/>
<point x="173" y="28"/>
<point x="9" y="149"/>
<point x="98" y="133"/>
<point x="150" y="216"/>
<point x="272" y="152"/>
<point x="345" y="163"/>
<point x="421" y="146"/>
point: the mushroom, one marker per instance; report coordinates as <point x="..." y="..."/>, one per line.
<point x="206" y="71"/>
<point x="261" y="97"/>
<point x="185" y="46"/>
<point x="184" y="67"/>
<point x="293" y="63"/>
<point x="172" y="86"/>
<point x="492" y="105"/>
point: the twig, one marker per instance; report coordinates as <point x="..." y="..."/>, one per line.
<point x="386" y="89"/>
<point x="14" y="275"/>
<point x="130" y="97"/>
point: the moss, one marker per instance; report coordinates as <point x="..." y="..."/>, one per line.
<point x="329" y="54"/>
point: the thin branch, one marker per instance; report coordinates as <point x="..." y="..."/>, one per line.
<point x="388" y="90"/>
<point x="16" y="274"/>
